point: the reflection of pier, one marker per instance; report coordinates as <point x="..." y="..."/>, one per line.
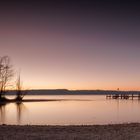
<point x="123" y="96"/>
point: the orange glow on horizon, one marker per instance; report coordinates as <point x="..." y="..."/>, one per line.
<point x="84" y="88"/>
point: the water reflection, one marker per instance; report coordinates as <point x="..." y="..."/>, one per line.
<point x="2" y="113"/>
<point x="94" y="110"/>
<point x="20" y="110"/>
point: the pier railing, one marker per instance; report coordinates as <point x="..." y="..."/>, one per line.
<point x="123" y="96"/>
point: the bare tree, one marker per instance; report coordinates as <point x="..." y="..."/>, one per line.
<point x="6" y="74"/>
<point x="19" y="90"/>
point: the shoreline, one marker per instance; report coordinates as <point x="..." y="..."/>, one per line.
<point x="60" y="132"/>
<point x="40" y="100"/>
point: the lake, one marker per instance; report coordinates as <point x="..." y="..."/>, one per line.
<point x="72" y="110"/>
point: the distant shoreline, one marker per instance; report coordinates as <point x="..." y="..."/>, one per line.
<point x="86" y="132"/>
<point x="74" y="92"/>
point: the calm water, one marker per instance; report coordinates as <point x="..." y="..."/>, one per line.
<point x="77" y="109"/>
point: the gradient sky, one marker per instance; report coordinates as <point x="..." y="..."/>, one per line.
<point x="73" y="45"/>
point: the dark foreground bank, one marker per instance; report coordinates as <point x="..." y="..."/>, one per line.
<point x="95" y="132"/>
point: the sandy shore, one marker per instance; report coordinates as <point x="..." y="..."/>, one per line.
<point x="95" y="132"/>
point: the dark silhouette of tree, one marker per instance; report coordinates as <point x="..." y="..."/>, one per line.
<point x="20" y="93"/>
<point x="6" y="74"/>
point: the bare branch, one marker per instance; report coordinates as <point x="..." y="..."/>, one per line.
<point x="6" y="74"/>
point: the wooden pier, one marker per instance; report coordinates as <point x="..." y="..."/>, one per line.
<point x="123" y="96"/>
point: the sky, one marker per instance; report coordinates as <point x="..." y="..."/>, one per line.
<point x="73" y="44"/>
